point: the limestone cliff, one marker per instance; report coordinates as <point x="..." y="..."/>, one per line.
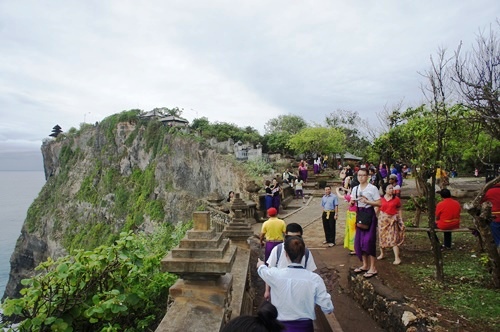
<point x="123" y="173"/>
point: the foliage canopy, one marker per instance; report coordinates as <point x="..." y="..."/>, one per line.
<point x="320" y="140"/>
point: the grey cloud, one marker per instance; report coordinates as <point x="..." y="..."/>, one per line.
<point x="246" y="62"/>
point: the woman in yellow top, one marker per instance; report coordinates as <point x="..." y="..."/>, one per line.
<point x="273" y="231"/>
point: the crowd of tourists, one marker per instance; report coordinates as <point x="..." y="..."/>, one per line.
<point x="292" y="287"/>
<point x="374" y="216"/>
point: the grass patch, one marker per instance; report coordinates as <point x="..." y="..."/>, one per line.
<point x="467" y="290"/>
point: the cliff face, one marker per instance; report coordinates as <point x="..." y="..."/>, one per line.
<point x="117" y="175"/>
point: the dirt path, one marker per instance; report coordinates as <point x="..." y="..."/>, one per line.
<point x="333" y="263"/>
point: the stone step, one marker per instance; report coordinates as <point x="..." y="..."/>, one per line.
<point x="201" y="243"/>
<point x="186" y="266"/>
<point x="194" y="234"/>
<point x="309" y="185"/>
<point x="211" y="253"/>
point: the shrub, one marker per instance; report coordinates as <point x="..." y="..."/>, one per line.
<point x="111" y="288"/>
<point x="258" y="168"/>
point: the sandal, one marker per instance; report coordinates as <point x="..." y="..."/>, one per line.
<point x="368" y="275"/>
<point x="359" y="270"/>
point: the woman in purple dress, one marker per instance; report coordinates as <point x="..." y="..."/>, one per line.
<point x="269" y="195"/>
<point x="383" y="172"/>
<point x="303" y="171"/>
<point x="366" y="196"/>
<point x="276" y="191"/>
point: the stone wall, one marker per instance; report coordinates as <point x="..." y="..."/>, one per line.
<point x="387" y="307"/>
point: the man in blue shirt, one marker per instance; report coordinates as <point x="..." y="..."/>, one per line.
<point x="330" y="206"/>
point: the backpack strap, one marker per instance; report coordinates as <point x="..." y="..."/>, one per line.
<point x="307" y="257"/>
<point x="278" y="253"/>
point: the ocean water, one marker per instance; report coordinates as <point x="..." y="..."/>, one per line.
<point x="18" y="189"/>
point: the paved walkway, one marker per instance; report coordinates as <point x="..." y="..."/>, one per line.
<point x="348" y="315"/>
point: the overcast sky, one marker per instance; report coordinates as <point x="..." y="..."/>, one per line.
<point x="243" y="62"/>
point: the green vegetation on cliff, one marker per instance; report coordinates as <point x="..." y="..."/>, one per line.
<point x="111" y="288"/>
<point x="106" y="201"/>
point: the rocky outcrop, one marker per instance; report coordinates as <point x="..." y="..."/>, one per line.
<point x="114" y="176"/>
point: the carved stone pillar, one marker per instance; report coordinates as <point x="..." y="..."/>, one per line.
<point x="238" y="229"/>
<point x="202" y="297"/>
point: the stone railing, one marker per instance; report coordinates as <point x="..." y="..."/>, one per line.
<point x="214" y="284"/>
<point x="218" y="219"/>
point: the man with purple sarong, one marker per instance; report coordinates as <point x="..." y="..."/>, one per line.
<point x="295" y="290"/>
<point x="273" y="231"/>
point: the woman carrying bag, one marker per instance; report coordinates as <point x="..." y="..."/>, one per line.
<point x="365" y="196"/>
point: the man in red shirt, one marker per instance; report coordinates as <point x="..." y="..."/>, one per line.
<point x="493" y="196"/>
<point x="447" y="215"/>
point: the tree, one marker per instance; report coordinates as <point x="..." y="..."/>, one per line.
<point x="200" y="124"/>
<point x="421" y="135"/>
<point x="291" y="124"/>
<point x="222" y="131"/>
<point x="277" y="142"/>
<point x="385" y="146"/>
<point x="354" y="129"/>
<point x="319" y="140"/>
<point x="477" y="74"/>
<point x="437" y="92"/>
<point x="176" y="111"/>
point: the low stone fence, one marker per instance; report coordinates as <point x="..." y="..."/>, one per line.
<point x="214" y="270"/>
<point x="386" y="306"/>
<point x="218" y="219"/>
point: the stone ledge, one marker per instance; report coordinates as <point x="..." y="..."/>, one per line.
<point x="187" y="314"/>
<point x="386" y="306"/>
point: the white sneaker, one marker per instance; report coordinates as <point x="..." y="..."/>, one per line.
<point x="325" y="242"/>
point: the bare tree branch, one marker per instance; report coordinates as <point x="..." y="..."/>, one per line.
<point x="477" y="77"/>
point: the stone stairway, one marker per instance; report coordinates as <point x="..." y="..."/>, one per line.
<point x="314" y="187"/>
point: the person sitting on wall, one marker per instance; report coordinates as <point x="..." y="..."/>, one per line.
<point x="288" y="177"/>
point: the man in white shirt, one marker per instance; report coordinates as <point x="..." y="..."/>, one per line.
<point x="278" y="258"/>
<point x="295" y="290"/>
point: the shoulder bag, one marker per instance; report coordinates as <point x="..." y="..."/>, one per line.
<point x="363" y="219"/>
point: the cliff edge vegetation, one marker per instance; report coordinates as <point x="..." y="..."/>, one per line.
<point x="122" y="174"/>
